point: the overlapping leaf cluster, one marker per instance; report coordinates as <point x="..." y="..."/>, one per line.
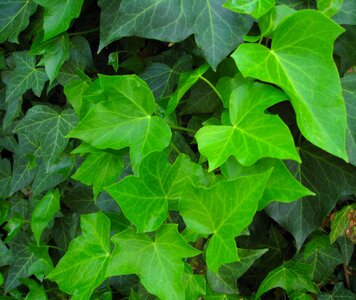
<point x="177" y="149"/>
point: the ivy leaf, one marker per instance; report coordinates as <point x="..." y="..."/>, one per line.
<point x="330" y="7"/>
<point x="83" y="266"/>
<point x="305" y="70"/>
<point x="255" y="8"/>
<point x="347" y="13"/>
<point x="217" y="30"/>
<point x="348" y="85"/>
<point x="291" y="276"/>
<point x="25" y="76"/>
<point x="329" y="177"/>
<point x="44" y="212"/>
<point x="193" y="284"/>
<point x="282" y="186"/>
<point x="125" y="120"/>
<point x="65" y="229"/>
<point x="146" y="205"/>
<point x="322" y="257"/>
<point x="185" y="82"/>
<point x="100" y="169"/>
<point x="223" y="210"/>
<point x="154" y="261"/>
<point x="162" y="78"/>
<point x="5" y="177"/>
<point x="27" y="260"/>
<point x="50" y="128"/>
<point x="14" y="18"/>
<point x="224" y="281"/>
<point x="36" y="292"/>
<point x="58" y="15"/>
<point x="55" y="52"/>
<point x="253" y="134"/>
<point x="340" y="222"/>
<point x="339" y="293"/>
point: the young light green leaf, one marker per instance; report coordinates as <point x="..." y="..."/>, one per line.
<point x="24" y="77"/>
<point x="224" y="281"/>
<point x="74" y="91"/>
<point x="305" y="70"/>
<point x="185" y="82"/>
<point x="255" y="8"/>
<point x="44" y="212"/>
<point x="341" y="221"/>
<point x="14" y="18"/>
<point x="157" y="262"/>
<point x="193" y="284"/>
<point x="83" y="266"/>
<point x="125" y="120"/>
<point x="291" y="276"/>
<point x="329" y="177"/>
<point x="146" y="205"/>
<point x="58" y="15"/>
<point x="330" y="7"/>
<point x="282" y="186"/>
<point x="99" y="169"/>
<point x="223" y="210"/>
<point x="50" y="128"/>
<point x="217" y="30"/>
<point x="55" y="52"/>
<point x="253" y="134"/>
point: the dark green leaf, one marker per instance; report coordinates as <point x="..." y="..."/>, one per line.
<point x="14" y="18"/>
<point x="217" y="30"/>
<point x="329" y="177"/>
<point x="347" y="14"/>
<point x="36" y="292"/>
<point x="339" y="293"/>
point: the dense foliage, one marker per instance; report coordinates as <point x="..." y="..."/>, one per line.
<point x="178" y="149"/>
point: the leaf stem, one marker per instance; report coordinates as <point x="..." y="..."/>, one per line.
<point x="182" y="129"/>
<point x="84" y="32"/>
<point x="176" y="149"/>
<point x="212" y="87"/>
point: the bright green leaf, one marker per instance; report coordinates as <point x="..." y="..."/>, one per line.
<point x="193" y="284"/>
<point x="144" y="200"/>
<point x="14" y="18"/>
<point x="24" y="77"/>
<point x="74" y="91"/>
<point x="255" y="8"/>
<point x="282" y="186"/>
<point x="291" y="276"/>
<point x="217" y="30"/>
<point x="253" y="134"/>
<point x="83" y="267"/>
<point x="223" y="210"/>
<point x="44" y="212"/>
<point x="305" y="70"/>
<point x="58" y="15"/>
<point x="157" y="262"/>
<point x="125" y="120"/>
<point x="185" y="82"/>
<point x="100" y="169"/>
<point x="349" y="89"/>
<point x="55" y="52"/>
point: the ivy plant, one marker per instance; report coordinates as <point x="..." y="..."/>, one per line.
<point x="177" y="150"/>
